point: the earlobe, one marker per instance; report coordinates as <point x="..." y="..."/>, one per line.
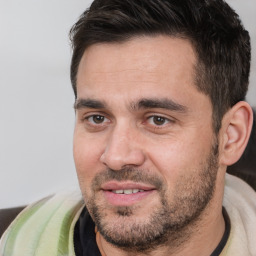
<point x="237" y="124"/>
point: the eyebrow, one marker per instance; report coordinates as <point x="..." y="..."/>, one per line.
<point x="163" y="103"/>
<point x="88" y="103"/>
<point x="144" y="103"/>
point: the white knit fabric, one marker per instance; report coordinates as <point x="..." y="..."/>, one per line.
<point x="240" y="203"/>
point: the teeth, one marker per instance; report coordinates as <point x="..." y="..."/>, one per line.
<point x="127" y="191"/>
<point x="118" y="191"/>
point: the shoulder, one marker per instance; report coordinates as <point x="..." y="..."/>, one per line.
<point x="238" y="189"/>
<point x="240" y="195"/>
<point x="240" y="203"/>
<point x="44" y="226"/>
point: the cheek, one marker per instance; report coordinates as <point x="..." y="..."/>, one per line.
<point x="87" y="159"/>
<point x="178" y="158"/>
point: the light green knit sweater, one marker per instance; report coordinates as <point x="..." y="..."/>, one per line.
<point x="45" y="228"/>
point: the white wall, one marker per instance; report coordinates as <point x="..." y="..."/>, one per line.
<point x="247" y="12"/>
<point x="36" y="115"/>
<point x="36" y="99"/>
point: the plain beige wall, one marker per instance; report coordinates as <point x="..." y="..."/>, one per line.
<point x="36" y="115"/>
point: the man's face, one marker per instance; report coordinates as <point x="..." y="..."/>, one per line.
<point x="143" y="141"/>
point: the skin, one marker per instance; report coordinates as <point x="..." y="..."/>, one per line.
<point x="174" y="149"/>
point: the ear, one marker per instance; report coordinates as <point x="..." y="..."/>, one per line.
<point x="235" y="132"/>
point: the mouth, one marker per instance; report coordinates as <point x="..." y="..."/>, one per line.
<point x="126" y="193"/>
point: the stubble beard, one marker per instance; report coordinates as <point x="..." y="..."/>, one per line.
<point x="170" y="223"/>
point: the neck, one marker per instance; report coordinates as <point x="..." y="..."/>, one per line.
<point x="200" y="238"/>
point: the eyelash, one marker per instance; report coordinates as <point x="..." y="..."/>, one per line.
<point x="160" y="118"/>
<point x="149" y="121"/>
<point x="94" y="116"/>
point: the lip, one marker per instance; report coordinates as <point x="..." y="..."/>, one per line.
<point x="126" y="199"/>
<point x="114" y="185"/>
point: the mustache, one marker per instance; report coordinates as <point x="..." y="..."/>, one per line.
<point x="126" y="174"/>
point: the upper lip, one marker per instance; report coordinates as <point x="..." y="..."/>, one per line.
<point x="114" y="185"/>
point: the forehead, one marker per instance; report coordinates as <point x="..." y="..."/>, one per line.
<point x="142" y="66"/>
<point x="149" y="53"/>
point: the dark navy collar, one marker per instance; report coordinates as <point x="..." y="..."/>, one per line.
<point x="225" y="236"/>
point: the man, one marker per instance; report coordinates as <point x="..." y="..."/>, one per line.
<point x="160" y="114"/>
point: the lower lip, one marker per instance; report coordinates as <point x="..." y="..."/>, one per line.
<point x="126" y="200"/>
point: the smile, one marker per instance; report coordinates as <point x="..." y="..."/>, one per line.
<point x="127" y="191"/>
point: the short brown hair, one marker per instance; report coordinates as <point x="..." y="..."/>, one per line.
<point x="219" y="39"/>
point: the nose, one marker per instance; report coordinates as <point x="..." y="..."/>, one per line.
<point x="122" y="149"/>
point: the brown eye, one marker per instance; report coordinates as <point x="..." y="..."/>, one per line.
<point x="158" y="120"/>
<point x="96" y="119"/>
